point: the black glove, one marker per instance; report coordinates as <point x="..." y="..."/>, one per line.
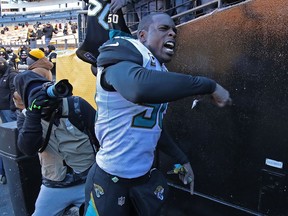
<point x="37" y="99"/>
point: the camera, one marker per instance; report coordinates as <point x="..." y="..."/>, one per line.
<point x="60" y="89"/>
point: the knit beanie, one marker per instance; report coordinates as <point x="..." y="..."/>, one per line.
<point x="36" y="54"/>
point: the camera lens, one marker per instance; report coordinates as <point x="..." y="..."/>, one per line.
<point x="60" y="89"/>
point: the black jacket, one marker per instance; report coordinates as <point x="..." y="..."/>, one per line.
<point x="27" y="79"/>
<point x="7" y="89"/>
<point x="48" y="31"/>
<point x="29" y="126"/>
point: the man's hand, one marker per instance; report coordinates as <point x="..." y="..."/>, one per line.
<point x="18" y="101"/>
<point x="116" y="5"/>
<point x="37" y="99"/>
<point x="221" y="96"/>
<point x="188" y="177"/>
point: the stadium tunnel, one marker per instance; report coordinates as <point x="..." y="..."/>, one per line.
<point x="238" y="153"/>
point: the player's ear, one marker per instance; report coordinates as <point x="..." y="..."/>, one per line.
<point x="142" y="36"/>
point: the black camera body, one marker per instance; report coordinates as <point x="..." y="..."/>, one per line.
<point x="60" y="89"/>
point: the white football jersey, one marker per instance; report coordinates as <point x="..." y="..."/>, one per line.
<point x="128" y="133"/>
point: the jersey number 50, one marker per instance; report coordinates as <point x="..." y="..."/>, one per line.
<point x="101" y="9"/>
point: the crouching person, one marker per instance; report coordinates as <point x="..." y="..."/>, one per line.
<point x="60" y="129"/>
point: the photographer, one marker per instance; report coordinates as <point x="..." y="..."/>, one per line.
<point x="48" y="126"/>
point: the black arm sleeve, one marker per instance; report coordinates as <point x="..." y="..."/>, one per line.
<point x="12" y="89"/>
<point x="167" y="145"/>
<point x="30" y="133"/>
<point x="140" y="85"/>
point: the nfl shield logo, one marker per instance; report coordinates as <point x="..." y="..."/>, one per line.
<point x="121" y="201"/>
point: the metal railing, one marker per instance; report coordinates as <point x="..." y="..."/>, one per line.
<point x="58" y="42"/>
<point x="170" y="7"/>
<point x="192" y="8"/>
<point x="34" y="17"/>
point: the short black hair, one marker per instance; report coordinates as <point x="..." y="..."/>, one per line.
<point x="51" y="47"/>
<point x="148" y="20"/>
<point x="42" y="49"/>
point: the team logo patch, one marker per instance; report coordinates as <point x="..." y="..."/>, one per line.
<point x="121" y="201"/>
<point x="115" y="179"/>
<point x="112" y="45"/>
<point x="159" y="192"/>
<point x="89" y="56"/>
<point x="98" y="190"/>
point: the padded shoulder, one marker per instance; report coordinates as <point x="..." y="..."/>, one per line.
<point x="119" y="49"/>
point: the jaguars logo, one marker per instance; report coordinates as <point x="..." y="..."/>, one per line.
<point x="98" y="190"/>
<point x="159" y="192"/>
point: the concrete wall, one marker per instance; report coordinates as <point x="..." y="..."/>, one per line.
<point x="245" y="48"/>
